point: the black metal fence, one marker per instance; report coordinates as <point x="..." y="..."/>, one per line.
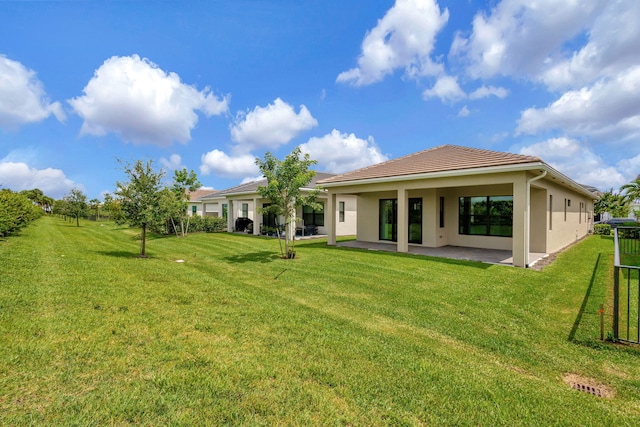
<point x="626" y="284"/>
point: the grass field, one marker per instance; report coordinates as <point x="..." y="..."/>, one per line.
<point x="92" y="335"/>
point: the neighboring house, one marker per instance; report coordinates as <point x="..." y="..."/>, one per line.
<point x="460" y="196"/>
<point x="244" y="201"/>
<point x="204" y="203"/>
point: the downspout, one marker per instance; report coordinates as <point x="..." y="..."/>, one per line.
<point x="527" y="225"/>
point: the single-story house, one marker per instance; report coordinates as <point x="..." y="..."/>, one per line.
<point x="244" y="201"/>
<point x="198" y="203"/>
<point x="459" y="196"/>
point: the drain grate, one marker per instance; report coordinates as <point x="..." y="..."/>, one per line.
<point x="588" y="389"/>
<point x="587" y="385"/>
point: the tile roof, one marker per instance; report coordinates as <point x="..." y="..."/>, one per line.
<point x="438" y="159"/>
<point x="195" y="195"/>
<point x="252" y="187"/>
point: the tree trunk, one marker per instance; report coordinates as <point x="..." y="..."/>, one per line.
<point x="77" y="220"/>
<point x="143" y="253"/>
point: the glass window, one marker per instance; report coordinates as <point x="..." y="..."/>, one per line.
<point x="388" y="220"/>
<point x="194" y="209"/>
<point x="341" y="211"/>
<point x="224" y="210"/>
<point x="312" y="216"/>
<point x="245" y="210"/>
<point x="486" y="216"/>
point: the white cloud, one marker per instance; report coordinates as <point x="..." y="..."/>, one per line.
<point x="485" y="91"/>
<point x="19" y="176"/>
<point x="609" y="108"/>
<point x="403" y="38"/>
<point x="447" y="89"/>
<point x="521" y="37"/>
<point x="173" y="163"/>
<point x="578" y="162"/>
<point x="22" y="96"/>
<point x="339" y="152"/>
<point x="143" y="104"/>
<point x="252" y="179"/>
<point x="219" y="163"/>
<point x="270" y="126"/>
<point x="612" y="47"/>
<point x="464" y="112"/>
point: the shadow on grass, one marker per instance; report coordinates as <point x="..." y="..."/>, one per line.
<point x="581" y="312"/>
<point x="261" y="257"/>
<point x="119" y="254"/>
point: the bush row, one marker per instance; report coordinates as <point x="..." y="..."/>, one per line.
<point x="207" y="224"/>
<point x="16" y="212"/>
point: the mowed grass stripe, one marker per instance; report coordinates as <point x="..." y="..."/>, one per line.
<point x="341" y="337"/>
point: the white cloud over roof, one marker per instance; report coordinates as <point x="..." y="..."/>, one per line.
<point x="134" y="98"/>
<point x="403" y="39"/>
<point x="22" y="96"/>
<point x="578" y="161"/>
<point x="219" y="163"/>
<point x="520" y="37"/>
<point x="339" y="152"/>
<point x="271" y="126"/>
<point x="609" y="108"/>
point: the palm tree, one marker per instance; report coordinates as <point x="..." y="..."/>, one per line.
<point x="631" y="191"/>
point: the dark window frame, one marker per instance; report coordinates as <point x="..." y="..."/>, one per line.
<point x="340" y="211"/>
<point x="484" y="220"/>
<point x="312" y="216"/>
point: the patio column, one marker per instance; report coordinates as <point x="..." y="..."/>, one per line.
<point x="330" y="219"/>
<point x="230" y="216"/>
<point x="257" y="218"/>
<point x="520" y="214"/>
<point x="403" y="221"/>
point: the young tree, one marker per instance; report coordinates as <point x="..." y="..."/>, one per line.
<point x="76" y="205"/>
<point x="140" y="197"/>
<point x="183" y="183"/>
<point x="94" y="205"/>
<point x="284" y="181"/>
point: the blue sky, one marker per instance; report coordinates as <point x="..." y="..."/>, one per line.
<point x="211" y="85"/>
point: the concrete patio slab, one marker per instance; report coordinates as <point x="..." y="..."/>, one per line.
<point x="489" y="256"/>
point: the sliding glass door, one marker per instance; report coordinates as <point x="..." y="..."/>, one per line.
<point x="388" y="220"/>
<point x="415" y="220"/>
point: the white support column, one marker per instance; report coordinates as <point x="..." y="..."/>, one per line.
<point x="520" y="214"/>
<point x="230" y="215"/>
<point x="257" y="218"/>
<point x="330" y="219"/>
<point x="403" y="220"/>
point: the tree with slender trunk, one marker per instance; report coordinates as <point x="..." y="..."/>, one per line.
<point x="76" y="205"/>
<point x="184" y="183"/>
<point x="285" y="179"/>
<point x="140" y="197"/>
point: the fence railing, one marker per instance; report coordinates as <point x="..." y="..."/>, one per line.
<point x="626" y="284"/>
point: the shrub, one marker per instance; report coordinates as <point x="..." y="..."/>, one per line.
<point x="602" y="229"/>
<point x="207" y="224"/>
<point x="16" y="212"/>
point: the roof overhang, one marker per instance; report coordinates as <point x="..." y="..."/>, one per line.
<point x="552" y="174"/>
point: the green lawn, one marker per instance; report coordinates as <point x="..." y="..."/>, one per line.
<point x="92" y="335"/>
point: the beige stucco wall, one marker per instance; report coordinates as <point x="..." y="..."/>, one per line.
<point x="548" y="232"/>
<point x="348" y="227"/>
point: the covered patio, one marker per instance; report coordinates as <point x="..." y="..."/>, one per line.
<point x="489" y="256"/>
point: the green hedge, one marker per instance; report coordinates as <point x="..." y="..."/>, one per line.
<point x="16" y="212"/>
<point x="603" y="229"/>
